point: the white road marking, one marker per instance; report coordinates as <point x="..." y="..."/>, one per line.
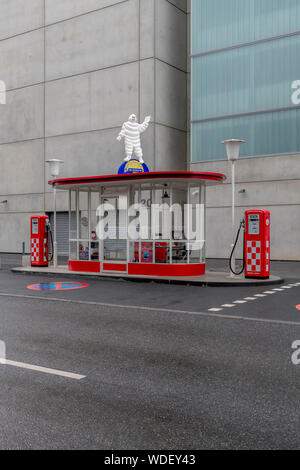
<point x="269" y="292"/>
<point x="260" y="295"/>
<point x="156" y="309"/>
<point x="240" y="302"/>
<point x="45" y="370"/>
<point x="215" y="309"/>
<point x="228" y="305"/>
<point x="287" y="287"/>
<point x="250" y="298"/>
<point x="278" y="290"/>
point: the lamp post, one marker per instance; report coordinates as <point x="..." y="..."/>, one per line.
<point x="54" y="165"/>
<point x="233" y="152"/>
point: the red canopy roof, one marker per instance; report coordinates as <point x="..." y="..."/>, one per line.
<point x="86" y="181"/>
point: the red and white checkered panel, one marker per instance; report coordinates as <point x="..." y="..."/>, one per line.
<point x="268" y="256"/>
<point x="35" y="250"/>
<point x="254" y="256"/>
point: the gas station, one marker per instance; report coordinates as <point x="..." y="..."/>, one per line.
<point x="158" y="254"/>
<point x="145" y="224"/>
<point x="104" y="209"/>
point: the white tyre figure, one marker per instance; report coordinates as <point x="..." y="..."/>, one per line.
<point x="131" y="132"/>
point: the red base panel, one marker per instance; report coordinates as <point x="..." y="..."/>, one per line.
<point x="85" y="266"/>
<point x="167" y="269"/>
<point x="141" y="269"/>
<point x="115" y="267"/>
<point x="39" y="265"/>
<point x="249" y="276"/>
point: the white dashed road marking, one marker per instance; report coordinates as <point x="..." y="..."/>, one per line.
<point x="256" y="297"/>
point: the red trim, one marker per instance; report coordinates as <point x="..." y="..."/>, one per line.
<point x="219" y="177"/>
<point x="166" y="269"/>
<point x="141" y="269"/>
<point x="115" y="267"/>
<point x="85" y="266"/>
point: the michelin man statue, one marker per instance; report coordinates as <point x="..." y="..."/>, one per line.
<point x="131" y="131"/>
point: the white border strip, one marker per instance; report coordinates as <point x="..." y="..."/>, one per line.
<point x="45" y="370"/>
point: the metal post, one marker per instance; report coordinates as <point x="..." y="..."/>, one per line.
<point x="89" y="229"/>
<point x="233" y="216"/>
<point x="55" y="240"/>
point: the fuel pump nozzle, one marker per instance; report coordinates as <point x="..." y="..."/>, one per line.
<point x="242" y="225"/>
<point x="50" y="236"/>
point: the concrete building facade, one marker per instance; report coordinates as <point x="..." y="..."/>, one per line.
<point x="74" y="70"/>
<point x="246" y="85"/>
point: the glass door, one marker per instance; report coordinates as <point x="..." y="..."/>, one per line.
<point x="114" y="240"/>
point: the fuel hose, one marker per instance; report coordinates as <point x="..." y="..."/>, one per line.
<point x="242" y="225"/>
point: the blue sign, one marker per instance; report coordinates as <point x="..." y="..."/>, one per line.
<point x="146" y="256"/>
<point x="133" y="166"/>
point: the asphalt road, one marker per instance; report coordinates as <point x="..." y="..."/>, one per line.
<point x="162" y="370"/>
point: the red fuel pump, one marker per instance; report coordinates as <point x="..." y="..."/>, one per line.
<point x="41" y="235"/>
<point x="257" y="243"/>
<point x="256" y="256"/>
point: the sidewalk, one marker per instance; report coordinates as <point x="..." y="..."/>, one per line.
<point x="284" y="269"/>
<point x="217" y="273"/>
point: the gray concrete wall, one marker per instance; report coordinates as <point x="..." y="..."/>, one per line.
<point x="75" y="70"/>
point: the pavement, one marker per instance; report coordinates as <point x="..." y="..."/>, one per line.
<point x="209" y="279"/>
<point x="221" y="277"/>
<point x="119" y="365"/>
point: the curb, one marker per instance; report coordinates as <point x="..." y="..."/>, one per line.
<point x="119" y="277"/>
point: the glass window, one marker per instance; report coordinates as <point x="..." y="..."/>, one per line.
<point x="134" y="252"/>
<point x="162" y="252"/>
<point x="73" y="251"/>
<point x="161" y="214"/>
<point x="180" y="252"/>
<point x="83" y="216"/>
<point x="179" y="200"/>
<point x="230" y="85"/>
<point x="246" y="79"/>
<point x="83" y="250"/>
<point x="115" y="229"/>
<point x="95" y="202"/>
<point x="196" y="252"/>
<point x="223" y="23"/>
<point x="265" y="134"/>
<point x="73" y="215"/>
<point x="134" y="212"/>
<point x="145" y="212"/>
